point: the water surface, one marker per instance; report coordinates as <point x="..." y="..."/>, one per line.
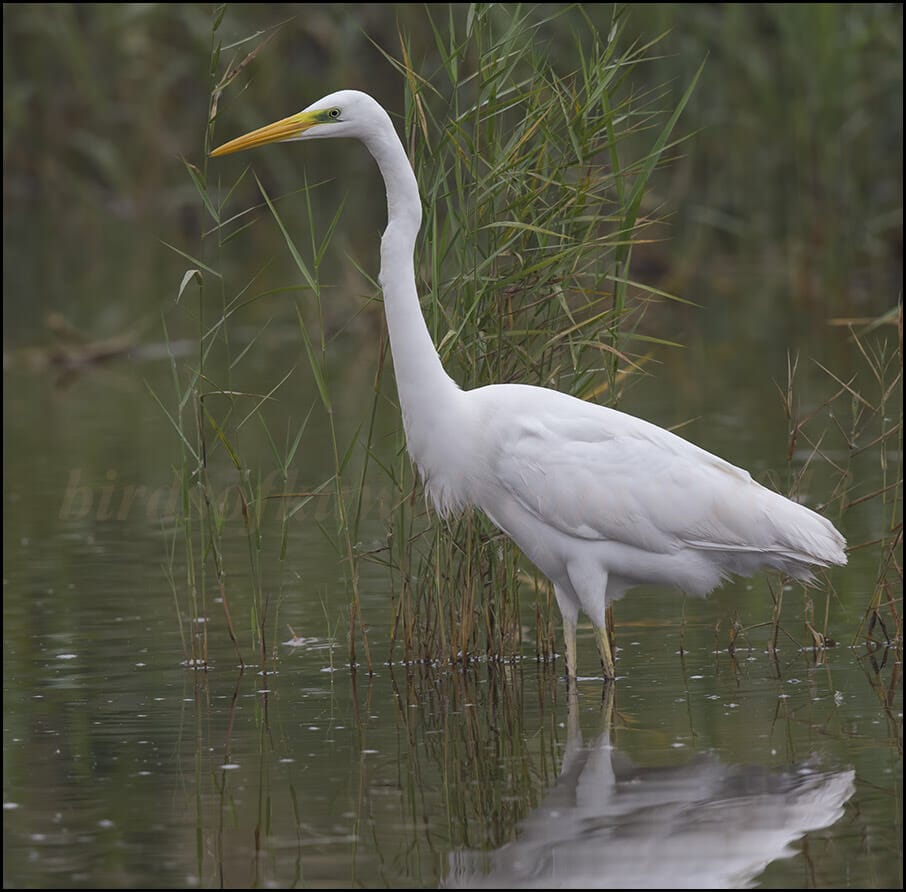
<point x="122" y="767"/>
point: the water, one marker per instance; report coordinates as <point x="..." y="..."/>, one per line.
<point x="122" y="767"/>
<point x="126" y="770"/>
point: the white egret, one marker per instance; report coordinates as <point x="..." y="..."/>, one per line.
<point x="598" y="500"/>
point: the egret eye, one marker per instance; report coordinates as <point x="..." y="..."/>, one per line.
<point x="334" y="113"/>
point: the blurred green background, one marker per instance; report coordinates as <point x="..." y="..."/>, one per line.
<point x="789" y="189"/>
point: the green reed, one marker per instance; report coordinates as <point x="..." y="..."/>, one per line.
<point x="212" y="417"/>
<point x="852" y="443"/>
<point x="534" y="178"/>
<point x="533" y="202"/>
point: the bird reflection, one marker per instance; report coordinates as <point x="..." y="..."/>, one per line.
<point x="610" y="824"/>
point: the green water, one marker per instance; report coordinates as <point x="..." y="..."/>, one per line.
<point x="124" y="768"/>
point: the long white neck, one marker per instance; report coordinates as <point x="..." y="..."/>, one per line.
<point x="429" y="398"/>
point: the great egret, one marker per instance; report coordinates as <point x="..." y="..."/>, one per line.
<point x="598" y="500"/>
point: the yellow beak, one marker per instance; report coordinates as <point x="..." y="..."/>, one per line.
<point x="287" y="128"/>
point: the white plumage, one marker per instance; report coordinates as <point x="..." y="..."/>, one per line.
<point x="599" y="500"/>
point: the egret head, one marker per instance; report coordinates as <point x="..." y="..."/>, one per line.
<point x="345" y="113"/>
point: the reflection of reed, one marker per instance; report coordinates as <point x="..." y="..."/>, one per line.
<point x="494" y="753"/>
<point x="608" y="823"/>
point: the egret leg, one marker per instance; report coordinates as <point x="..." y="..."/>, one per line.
<point x="605" y="652"/>
<point x="569" y="635"/>
<point x="589" y="582"/>
<point x="569" y="610"/>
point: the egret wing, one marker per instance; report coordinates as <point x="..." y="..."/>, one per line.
<point x="605" y="475"/>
